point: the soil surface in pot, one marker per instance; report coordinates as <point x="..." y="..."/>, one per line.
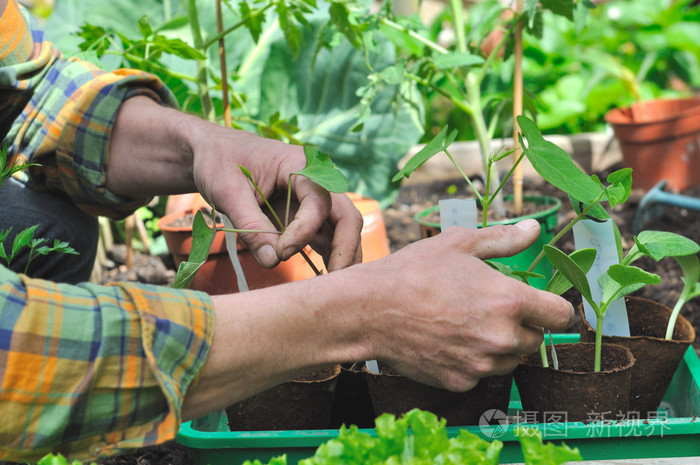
<point x="402" y="230"/>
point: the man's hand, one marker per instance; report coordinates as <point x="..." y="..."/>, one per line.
<point x="160" y="151"/>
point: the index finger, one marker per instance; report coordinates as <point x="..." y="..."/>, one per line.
<point x="550" y="311"/>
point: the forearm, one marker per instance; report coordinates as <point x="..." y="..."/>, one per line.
<point x="272" y="335"/>
<point x="149" y="153"/>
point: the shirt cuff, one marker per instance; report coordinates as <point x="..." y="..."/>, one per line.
<point x="83" y="146"/>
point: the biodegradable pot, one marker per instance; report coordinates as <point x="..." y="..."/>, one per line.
<point x="548" y="208"/>
<point x="660" y="139"/>
<point x="656" y="358"/>
<point x="300" y="404"/>
<point x="575" y="392"/>
<point x="395" y="394"/>
<point x="352" y="404"/>
<point x="216" y="275"/>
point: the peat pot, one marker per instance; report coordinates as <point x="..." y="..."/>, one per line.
<point x="303" y="403"/>
<point x="396" y="394"/>
<point x="656" y="358"/>
<point x="575" y="392"/>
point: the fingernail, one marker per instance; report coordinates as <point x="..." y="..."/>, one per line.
<point x="528" y="224"/>
<point x="267" y="256"/>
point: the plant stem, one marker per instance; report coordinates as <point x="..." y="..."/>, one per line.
<point x="202" y="78"/>
<point x="566" y="229"/>
<point x="223" y="33"/>
<point x="598" y="340"/>
<point x="674" y="316"/>
<point x="543" y="352"/>
<point x="222" y="59"/>
<point x="251" y="231"/>
<point x="458" y="23"/>
<point x="412" y="34"/>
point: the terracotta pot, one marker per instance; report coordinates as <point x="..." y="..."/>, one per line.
<point x="217" y="276"/>
<point x="395" y="394"/>
<point x="660" y="139"/>
<point x="299" y="404"/>
<point x="575" y="392"/>
<point x="656" y="358"/>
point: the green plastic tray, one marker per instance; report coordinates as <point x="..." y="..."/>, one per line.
<point x="676" y="433"/>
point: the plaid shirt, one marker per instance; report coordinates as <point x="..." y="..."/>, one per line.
<point x="85" y="370"/>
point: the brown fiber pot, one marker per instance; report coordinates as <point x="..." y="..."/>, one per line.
<point x="300" y="404"/>
<point x="397" y="394"/>
<point x="575" y="392"/>
<point x="656" y="358"/>
<point x="660" y="139"/>
<point x="352" y="404"/>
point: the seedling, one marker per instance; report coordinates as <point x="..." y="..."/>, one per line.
<point x="623" y="279"/>
<point x="556" y="167"/>
<point x="319" y="169"/>
<point x="25" y="238"/>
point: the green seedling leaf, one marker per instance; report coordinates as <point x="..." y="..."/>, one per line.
<point x="571" y="270"/>
<point x="622" y="180"/>
<point x="535" y="452"/>
<point x="583" y="258"/>
<point x="202" y="238"/>
<point x="23" y="239"/>
<point x="555" y="165"/>
<point x="596" y="213"/>
<point x="621" y="280"/>
<point x="660" y="244"/>
<point x="456" y="60"/>
<point x="177" y="47"/>
<point x="145" y="27"/>
<point x="320" y="169"/>
<point x="436" y="145"/>
<point x="523" y="276"/>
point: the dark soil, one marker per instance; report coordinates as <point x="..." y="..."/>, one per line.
<point x="403" y="230"/>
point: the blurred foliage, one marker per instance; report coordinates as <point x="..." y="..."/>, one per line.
<point x="629" y="50"/>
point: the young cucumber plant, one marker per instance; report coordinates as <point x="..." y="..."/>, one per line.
<point x="586" y="193"/>
<point x="25" y="238"/>
<point x="623" y="278"/>
<point x="319" y="169"/>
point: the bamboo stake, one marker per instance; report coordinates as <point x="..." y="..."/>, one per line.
<point x="517" y="110"/>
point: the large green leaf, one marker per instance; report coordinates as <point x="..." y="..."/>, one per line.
<point x="320" y="169"/>
<point x="555" y="165"/>
<point x="324" y="102"/>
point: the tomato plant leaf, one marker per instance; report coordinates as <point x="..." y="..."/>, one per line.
<point x="320" y="169"/>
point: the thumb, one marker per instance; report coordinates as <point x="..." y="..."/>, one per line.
<point x="505" y="241"/>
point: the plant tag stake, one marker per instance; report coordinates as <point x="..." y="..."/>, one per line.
<point x="457" y="212"/>
<point x="601" y="237"/>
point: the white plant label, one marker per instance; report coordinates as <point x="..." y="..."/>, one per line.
<point x="601" y="237"/>
<point x="457" y="212"/>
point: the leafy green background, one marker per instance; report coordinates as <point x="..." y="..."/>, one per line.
<point x="313" y="94"/>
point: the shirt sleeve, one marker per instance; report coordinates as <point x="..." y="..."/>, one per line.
<point x="89" y="370"/>
<point x="60" y="112"/>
